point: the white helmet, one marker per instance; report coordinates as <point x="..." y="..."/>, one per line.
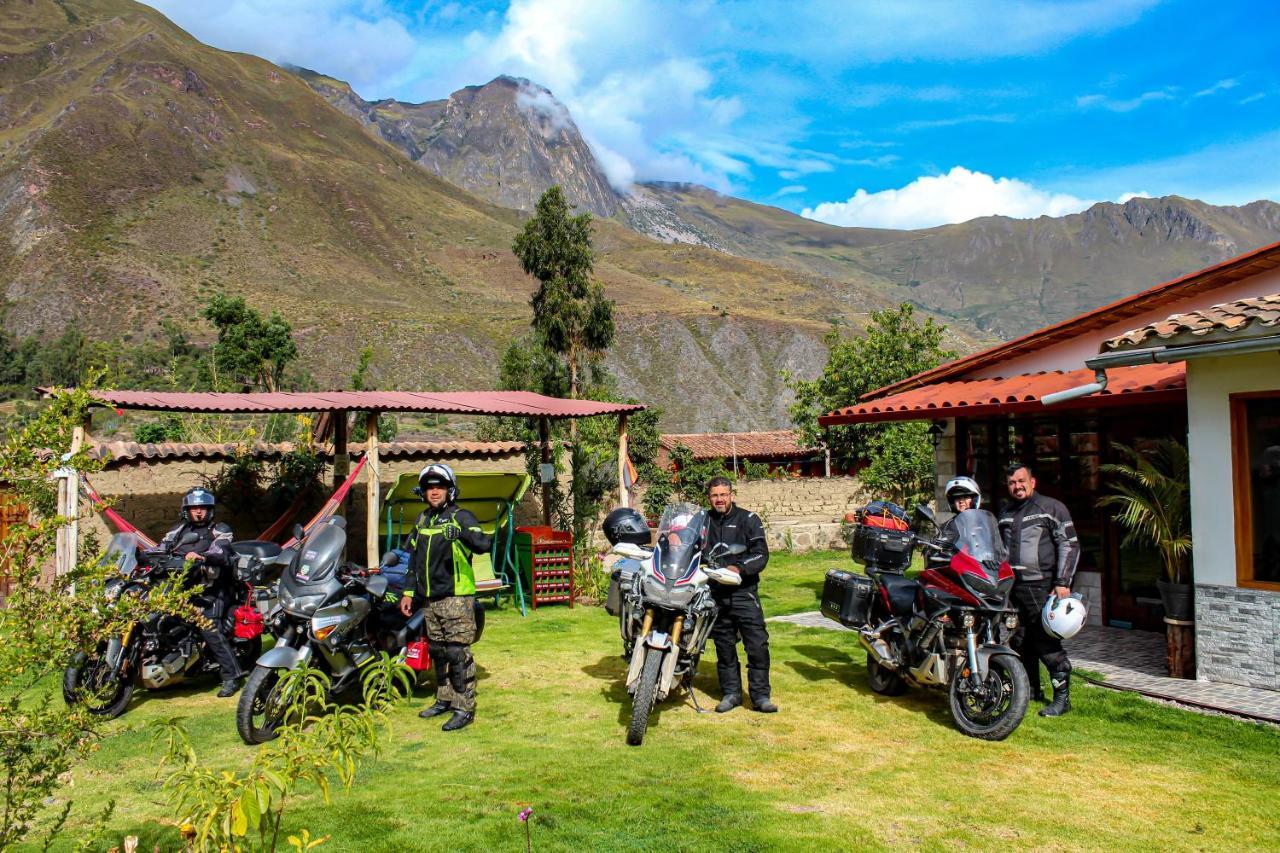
<point x="438" y="474"/>
<point x="963" y="486"/>
<point x="1063" y="617"/>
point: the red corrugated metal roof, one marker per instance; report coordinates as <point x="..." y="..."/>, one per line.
<point x="1234" y="269"/>
<point x="717" y="445"/>
<point x="505" y="403"/>
<point x="1147" y="384"/>
<point x="125" y="452"/>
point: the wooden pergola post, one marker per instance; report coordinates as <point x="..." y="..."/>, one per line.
<point x="67" y="541"/>
<point x="544" y="440"/>
<point x="341" y="461"/>
<point x="373" y="487"/>
<point x="624" y="497"/>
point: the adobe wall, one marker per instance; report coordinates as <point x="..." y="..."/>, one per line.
<point x="148" y="495"/>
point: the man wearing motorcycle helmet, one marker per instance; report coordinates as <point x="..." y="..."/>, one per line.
<point x="740" y="612"/>
<point x="1043" y="550"/>
<point x="210" y="554"/>
<point x="442" y="582"/>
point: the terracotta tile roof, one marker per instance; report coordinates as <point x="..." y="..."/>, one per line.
<point x="131" y="452"/>
<point x="1149" y="383"/>
<point x="1231" y="270"/>
<point x="1218" y="321"/>
<point x="504" y="403"/>
<point x="718" y="445"/>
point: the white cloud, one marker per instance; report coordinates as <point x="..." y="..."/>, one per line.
<point x="1123" y="105"/>
<point x="792" y="189"/>
<point x="1220" y="86"/>
<point x="957" y="196"/>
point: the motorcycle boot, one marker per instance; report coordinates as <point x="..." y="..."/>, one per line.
<point x="460" y="719"/>
<point x="764" y="705"/>
<point x="435" y="710"/>
<point x="728" y="703"/>
<point x="1061" y="703"/>
<point x="230" y="687"/>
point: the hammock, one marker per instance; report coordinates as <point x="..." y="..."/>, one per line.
<point x="335" y="500"/>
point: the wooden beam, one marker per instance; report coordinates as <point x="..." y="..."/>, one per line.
<point x="544" y="440"/>
<point x="341" y="461"/>
<point x="67" y="542"/>
<point x="624" y="498"/>
<point x="373" y="487"/>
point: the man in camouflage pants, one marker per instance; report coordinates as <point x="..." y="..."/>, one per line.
<point x="443" y="539"/>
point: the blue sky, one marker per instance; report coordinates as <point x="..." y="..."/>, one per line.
<point x="890" y="114"/>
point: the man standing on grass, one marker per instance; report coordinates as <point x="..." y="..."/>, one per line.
<point x="740" y="611"/>
<point x="1041" y="541"/>
<point x="440" y="575"/>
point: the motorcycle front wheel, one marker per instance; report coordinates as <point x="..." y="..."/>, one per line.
<point x="87" y="682"/>
<point x="994" y="709"/>
<point x="260" y="710"/>
<point x="645" y="696"/>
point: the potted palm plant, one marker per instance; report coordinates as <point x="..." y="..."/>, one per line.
<point x="1151" y="493"/>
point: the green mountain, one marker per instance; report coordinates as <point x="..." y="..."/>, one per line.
<point x="141" y="170"/>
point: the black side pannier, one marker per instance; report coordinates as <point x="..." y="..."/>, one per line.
<point x="846" y="598"/>
<point x="881" y="548"/>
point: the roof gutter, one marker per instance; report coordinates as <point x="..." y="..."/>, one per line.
<point x="1157" y="355"/>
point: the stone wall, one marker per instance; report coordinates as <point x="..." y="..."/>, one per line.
<point x="1238" y="636"/>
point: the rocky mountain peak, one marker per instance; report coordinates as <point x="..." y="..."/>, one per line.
<point x="505" y="141"/>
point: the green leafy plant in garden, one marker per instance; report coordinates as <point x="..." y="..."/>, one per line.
<point x="46" y="621"/>
<point x="321" y="743"/>
<point x="899" y="456"/>
<point x="1152" y="500"/>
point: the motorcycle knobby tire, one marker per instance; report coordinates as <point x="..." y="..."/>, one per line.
<point x="1013" y="677"/>
<point x="645" y="696"/>
<point x="112" y="705"/>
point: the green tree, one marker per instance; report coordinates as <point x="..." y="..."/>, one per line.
<point x="252" y="350"/>
<point x="895" y="347"/>
<point x="571" y="316"/>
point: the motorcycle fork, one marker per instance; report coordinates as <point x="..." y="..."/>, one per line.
<point x="971" y="647"/>
<point x="677" y="628"/>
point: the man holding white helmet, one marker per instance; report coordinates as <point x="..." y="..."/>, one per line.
<point x="441" y="579"/>
<point x="1043" y="551"/>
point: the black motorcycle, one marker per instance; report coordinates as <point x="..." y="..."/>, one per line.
<point x="159" y="651"/>
<point x="330" y="615"/>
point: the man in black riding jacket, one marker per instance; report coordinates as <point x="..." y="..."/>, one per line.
<point x="442" y="582"/>
<point x="1043" y="551"/>
<point x="740" y="611"/>
<point x="211" y="555"/>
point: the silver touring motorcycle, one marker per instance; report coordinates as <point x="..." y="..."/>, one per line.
<point x="665" y="608"/>
<point x="331" y="615"/>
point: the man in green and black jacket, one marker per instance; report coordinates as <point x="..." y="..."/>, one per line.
<point x="441" y="580"/>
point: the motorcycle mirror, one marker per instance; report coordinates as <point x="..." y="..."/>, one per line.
<point x="735" y="550"/>
<point x="924" y="512"/>
<point x="377" y="585"/>
<point x="299" y="532"/>
<point x="189" y="538"/>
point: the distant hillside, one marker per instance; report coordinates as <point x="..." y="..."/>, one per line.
<point x="141" y="170"/>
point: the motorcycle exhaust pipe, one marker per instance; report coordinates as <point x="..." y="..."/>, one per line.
<point x="877" y="648"/>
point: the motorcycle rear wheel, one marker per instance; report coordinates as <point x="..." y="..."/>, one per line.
<point x="254" y="719"/>
<point x="996" y="714"/>
<point x="645" y="696"/>
<point x="80" y="686"/>
<point x="883" y="680"/>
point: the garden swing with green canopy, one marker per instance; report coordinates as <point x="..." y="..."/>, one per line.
<point x="492" y="498"/>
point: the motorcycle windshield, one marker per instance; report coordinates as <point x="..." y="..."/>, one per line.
<point x="680" y="536"/>
<point x="122" y="551"/>
<point x="976" y="533"/>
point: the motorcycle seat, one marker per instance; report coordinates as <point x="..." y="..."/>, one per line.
<point x="901" y="591"/>
<point x="259" y="548"/>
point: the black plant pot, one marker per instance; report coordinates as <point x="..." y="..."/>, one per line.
<point x="1178" y="600"/>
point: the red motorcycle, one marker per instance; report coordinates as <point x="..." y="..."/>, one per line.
<point x="949" y="628"/>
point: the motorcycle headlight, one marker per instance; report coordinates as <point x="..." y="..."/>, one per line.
<point x="967" y="620"/>
<point x="1011" y="621"/>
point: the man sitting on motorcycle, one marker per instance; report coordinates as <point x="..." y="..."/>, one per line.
<point x="441" y="579"/>
<point x="210" y="554"/>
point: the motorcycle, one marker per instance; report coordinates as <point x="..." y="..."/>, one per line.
<point x="159" y="651"/>
<point x="331" y="615"/>
<point x="950" y="628"/>
<point x="666" y="610"/>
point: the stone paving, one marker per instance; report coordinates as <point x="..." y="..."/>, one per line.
<point x="1133" y="660"/>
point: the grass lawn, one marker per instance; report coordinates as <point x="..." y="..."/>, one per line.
<point x="839" y="768"/>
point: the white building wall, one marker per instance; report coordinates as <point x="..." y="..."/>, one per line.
<point x="1237" y="629"/>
